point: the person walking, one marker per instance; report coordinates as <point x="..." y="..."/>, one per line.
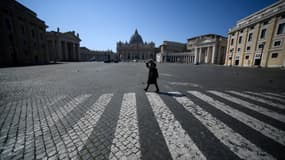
<point x="152" y="75"/>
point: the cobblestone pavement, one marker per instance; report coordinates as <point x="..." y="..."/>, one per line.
<point x="43" y="116"/>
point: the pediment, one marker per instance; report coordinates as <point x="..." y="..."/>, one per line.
<point x="71" y="36"/>
<point x="205" y="41"/>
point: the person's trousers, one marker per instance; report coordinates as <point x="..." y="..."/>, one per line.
<point x="156" y="86"/>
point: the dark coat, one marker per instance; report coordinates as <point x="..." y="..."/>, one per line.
<point x="152" y="75"/>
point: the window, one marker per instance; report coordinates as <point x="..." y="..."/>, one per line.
<point x="8" y="24"/>
<point x="246" y="57"/>
<point x="281" y="28"/>
<point x="232" y="41"/>
<point x="249" y="37"/>
<point x="248" y="48"/>
<point x="265" y="23"/>
<point x="238" y="49"/>
<point x="241" y="31"/>
<point x="262" y="35"/>
<point x="240" y="39"/>
<point x="252" y="27"/>
<point x="33" y="33"/>
<point x="41" y="36"/>
<point x="261" y="46"/>
<point x="274" y="55"/>
<point x="23" y="29"/>
<point x="277" y="43"/>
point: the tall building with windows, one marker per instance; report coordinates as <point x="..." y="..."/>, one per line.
<point x="23" y="40"/>
<point x="136" y="49"/>
<point x="258" y="39"/>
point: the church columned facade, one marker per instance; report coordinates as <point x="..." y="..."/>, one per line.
<point x="136" y="49"/>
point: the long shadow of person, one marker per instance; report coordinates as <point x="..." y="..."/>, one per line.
<point x="172" y="94"/>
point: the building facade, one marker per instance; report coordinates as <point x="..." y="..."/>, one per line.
<point x="63" y="46"/>
<point x="100" y="56"/>
<point x="208" y="49"/>
<point x="258" y="39"/>
<point x="168" y="50"/>
<point x="23" y="39"/>
<point x="176" y="57"/>
<point x="136" y="49"/>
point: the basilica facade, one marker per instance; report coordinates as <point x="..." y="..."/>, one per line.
<point x="135" y="49"/>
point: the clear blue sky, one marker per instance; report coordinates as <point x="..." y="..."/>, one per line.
<point x="101" y="23"/>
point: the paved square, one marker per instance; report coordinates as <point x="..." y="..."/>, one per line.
<point x="96" y="111"/>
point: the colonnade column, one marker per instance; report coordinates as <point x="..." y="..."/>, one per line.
<point x="207" y="59"/>
<point x="200" y="55"/>
<point x="77" y="52"/>
<point x="213" y="54"/>
<point x="196" y="56"/>
<point x="65" y="50"/>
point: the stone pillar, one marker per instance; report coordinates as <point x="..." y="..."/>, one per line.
<point x="207" y="59"/>
<point x="77" y="52"/>
<point x="196" y="56"/>
<point x="66" y="51"/>
<point x="213" y="54"/>
<point x="200" y="55"/>
<point x="74" y="51"/>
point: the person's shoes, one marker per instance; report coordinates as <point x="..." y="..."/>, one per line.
<point x="145" y="90"/>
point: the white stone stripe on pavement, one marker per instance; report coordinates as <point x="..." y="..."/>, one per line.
<point x="180" y="145"/>
<point x="275" y="94"/>
<point x="267" y="96"/>
<point x="251" y="106"/>
<point x="126" y="143"/>
<point x="84" y="127"/>
<point x="239" y="145"/>
<point x="264" y="128"/>
<point x="258" y="99"/>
